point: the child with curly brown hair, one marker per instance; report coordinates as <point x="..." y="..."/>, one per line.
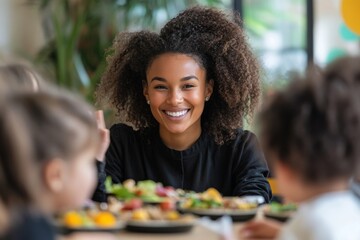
<point x="311" y="135"/>
<point x="186" y="92"/>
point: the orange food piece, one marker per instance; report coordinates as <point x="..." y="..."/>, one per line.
<point x="73" y="219"/>
<point x="105" y="219"/>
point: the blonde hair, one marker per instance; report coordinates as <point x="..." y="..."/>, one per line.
<point x="17" y="76"/>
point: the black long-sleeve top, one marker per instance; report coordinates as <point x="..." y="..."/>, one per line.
<point x="236" y="168"/>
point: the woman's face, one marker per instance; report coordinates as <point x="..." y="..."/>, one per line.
<point x="177" y="89"/>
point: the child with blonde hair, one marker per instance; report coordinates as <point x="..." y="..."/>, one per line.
<point x="48" y="142"/>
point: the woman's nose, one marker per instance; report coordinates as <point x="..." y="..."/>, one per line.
<point x="175" y="97"/>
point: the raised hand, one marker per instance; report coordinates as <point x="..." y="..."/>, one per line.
<point x="104" y="134"/>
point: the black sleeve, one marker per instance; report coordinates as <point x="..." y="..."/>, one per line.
<point x="251" y="170"/>
<point x="114" y="155"/>
<point x="100" y="194"/>
<point x="112" y="164"/>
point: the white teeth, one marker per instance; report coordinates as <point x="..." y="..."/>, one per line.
<point x="176" y="114"/>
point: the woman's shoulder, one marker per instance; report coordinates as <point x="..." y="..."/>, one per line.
<point x="242" y="139"/>
<point x="121" y="132"/>
<point x="121" y="127"/>
<point x="243" y="136"/>
<point x="124" y="131"/>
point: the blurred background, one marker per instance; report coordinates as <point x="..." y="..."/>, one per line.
<point x="67" y="40"/>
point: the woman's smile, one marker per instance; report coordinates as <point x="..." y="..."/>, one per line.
<point x="176" y="114"/>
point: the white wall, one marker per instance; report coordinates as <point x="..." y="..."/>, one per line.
<point x="20" y="28"/>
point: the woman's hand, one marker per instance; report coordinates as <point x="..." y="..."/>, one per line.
<point x="264" y="228"/>
<point x="104" y="135"/>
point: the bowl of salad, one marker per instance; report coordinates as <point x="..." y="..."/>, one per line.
<point x="280" y="211"/>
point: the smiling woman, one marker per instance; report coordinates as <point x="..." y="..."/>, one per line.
<point x="176" y="89"/>
<point x="185" y="92"/>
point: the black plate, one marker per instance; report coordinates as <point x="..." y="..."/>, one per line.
<point x="235" y="214"/>
<point x="67" y="230"/>
<point x="155" y="226"/>
<point x="282" y="217"/>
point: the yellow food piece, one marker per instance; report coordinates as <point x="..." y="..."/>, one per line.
<point x="172" y="215"/>
<point x="212" y="194"/>
<point x="140" y="214"/>
<point x="187" y="203"/>
<point x="73" y="219"/>
<point x="246" y="206"/>
<point x="105" y="219"/>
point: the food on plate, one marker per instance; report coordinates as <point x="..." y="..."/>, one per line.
<point x="212" y="195"/>
<point x="280" y="212"/>
<point x="172" y="215"/>
<point x="276" y="207"/>
<point x="132" y="204"/>
<point x="74" y="219"/>
<point x="239" y="203"/>
<point x="104" y="219"/>
<point x="114" y="205"/>
<point x="135" y="210"/>
<point x="212" y="199"/>
<point x="88" y="218"/>
<point x="147" y="190"/>
<point x="168" y="204"/>
<point x="140" y="214"/>
<point x="152" y="219"/>
<point x="156" y="213"/>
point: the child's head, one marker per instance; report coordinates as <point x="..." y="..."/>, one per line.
<point x="18" y="189"/>
<point x="18" y="76"/>
<point x="311" y="129"/>
<point x="64" y="137"/>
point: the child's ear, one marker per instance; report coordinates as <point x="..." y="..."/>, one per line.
<point x="54" y="174"/>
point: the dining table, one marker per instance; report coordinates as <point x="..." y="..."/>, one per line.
<point x="198" y="232"/>
<point x="197" y="225"/>
<point x="202" y="228"/>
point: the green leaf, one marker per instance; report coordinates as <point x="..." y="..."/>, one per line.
<point x="122" y="193"/>
<point x="147" y="186"/>
<point x="108" y="185"/>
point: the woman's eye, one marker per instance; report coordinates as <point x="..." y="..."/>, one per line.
<point x="187" y="86"/>
<point x="160" y="87"/>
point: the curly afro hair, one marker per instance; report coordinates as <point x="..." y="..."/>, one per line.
<point x="216" y="41"/>
<point x="313" y="126"/>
